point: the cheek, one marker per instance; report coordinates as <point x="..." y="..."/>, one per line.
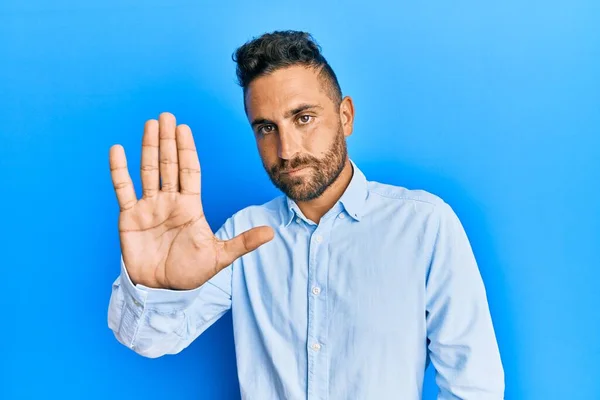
<point x="319" y="139"/>
<point x="267" y="150"/>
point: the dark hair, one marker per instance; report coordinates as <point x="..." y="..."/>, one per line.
<point x="280" y="49"/>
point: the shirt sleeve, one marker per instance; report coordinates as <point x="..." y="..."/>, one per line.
<point x="154" y="322"/>
<point x="462" y="342"/>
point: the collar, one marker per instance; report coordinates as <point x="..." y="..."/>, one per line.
<point x="353" y="199"/>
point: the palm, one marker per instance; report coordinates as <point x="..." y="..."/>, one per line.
<point x="176" y="222"/>
<point x="166" y="241"/>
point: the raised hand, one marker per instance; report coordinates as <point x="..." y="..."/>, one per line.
<point x="166" y="241"/>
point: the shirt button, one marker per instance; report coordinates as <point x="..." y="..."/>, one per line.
<point x="316" y="290"/>
<point x="137" y="303"/>
<point x="298" y="220"/>
<point x="319" y="238"/>
<point x="342" y="216"/>
<point x="316" y="346"/>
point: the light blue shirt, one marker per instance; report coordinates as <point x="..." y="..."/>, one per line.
<point x="354" y="307"/>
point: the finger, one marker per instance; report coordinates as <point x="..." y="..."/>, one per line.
<point x="121" y="179"/>
<point x="246" y="242"/>
<point x="149" y="168"/>
<point x="189" y="165"/>
<point x="168" y="153"/>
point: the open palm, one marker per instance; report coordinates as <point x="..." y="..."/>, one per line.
<point x="166" y="241"/>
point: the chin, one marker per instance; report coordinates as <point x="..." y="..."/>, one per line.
<point x="304" y="192"/>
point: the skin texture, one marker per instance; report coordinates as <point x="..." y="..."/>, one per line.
<point x="298" y="124"/>
<point x="165" y="239"/>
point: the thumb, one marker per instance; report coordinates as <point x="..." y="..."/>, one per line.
<point x="246" y="242"/>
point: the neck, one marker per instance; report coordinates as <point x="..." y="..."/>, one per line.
<point x="316" y="208"/>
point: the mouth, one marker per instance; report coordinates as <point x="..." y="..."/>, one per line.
<point x="293" y="171"/>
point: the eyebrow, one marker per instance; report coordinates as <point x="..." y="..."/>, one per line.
<point x="288" y="114"/>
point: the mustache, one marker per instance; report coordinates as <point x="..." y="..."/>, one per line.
<point x="296" y="163"/>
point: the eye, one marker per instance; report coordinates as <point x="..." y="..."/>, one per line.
<point x="305" y="119"/>
<point x="266" y="129"/>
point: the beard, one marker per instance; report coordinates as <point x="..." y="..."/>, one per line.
<point x="320" y="173"/>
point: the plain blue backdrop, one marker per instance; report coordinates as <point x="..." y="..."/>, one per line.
<point x="494" y="107"/>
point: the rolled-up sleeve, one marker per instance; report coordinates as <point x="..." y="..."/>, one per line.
<point x="462" y="342"/>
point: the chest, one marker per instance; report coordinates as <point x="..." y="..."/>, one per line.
<point x="365" y="281"/>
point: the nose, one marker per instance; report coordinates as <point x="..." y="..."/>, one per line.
<point x="289" y="144"/>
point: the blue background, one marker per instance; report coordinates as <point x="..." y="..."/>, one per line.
<point x="494" y="107"/>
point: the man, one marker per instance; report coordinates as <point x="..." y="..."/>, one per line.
<point x="341" y="288"/>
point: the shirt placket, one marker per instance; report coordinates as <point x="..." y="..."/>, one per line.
<point x="318" y="369"/>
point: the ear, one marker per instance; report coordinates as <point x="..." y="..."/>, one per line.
<point x="347" y="115"/>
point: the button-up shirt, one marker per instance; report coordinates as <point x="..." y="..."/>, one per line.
<point x="355" y="306"/>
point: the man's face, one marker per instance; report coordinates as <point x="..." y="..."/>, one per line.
<point x="299" y="130"/>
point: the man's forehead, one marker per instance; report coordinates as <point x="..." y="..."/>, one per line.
<point x="284" y="89"/>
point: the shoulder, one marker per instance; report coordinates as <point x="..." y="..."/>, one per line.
<point x="265" y="210"/>
<point x="417" y="205"/>
<point x="400" y="195"/>
<point x="401" y="201"/>
<point x="267" y="213"/>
